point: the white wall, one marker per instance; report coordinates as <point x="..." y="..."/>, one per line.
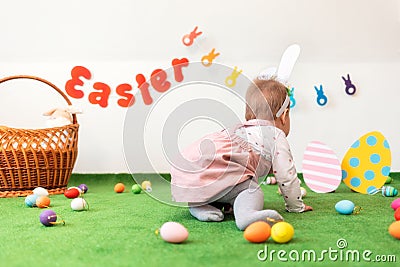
<point x="118" y="39"/>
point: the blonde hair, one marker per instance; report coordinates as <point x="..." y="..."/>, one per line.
<point x="264" y="98"/>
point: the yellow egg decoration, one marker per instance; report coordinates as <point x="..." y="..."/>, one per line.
<point x="282" y="232"/>
<point x="366" y="165"/>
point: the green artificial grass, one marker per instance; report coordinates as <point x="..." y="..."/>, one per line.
<point x="119" y="230"/>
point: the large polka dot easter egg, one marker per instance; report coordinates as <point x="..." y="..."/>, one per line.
<point x="366" y="165"/>
<point x="321" y="168"/>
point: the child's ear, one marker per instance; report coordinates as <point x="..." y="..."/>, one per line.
<point x="284" y="116"/>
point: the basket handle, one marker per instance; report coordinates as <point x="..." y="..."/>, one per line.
<point x="74" y="120"/>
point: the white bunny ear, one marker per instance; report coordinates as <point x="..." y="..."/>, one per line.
<point x="49" y="112"/>
<point x="267" y="74"/>
<point x="288" y="60"/>
<point x="74" y="110"/>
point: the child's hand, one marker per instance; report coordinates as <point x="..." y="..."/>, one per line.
<point x="307" y="208"/>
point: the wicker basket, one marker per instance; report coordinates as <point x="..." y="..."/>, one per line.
<point x="30" y="158"/>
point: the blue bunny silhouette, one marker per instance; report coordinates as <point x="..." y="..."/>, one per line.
<point x="321" y="98"/>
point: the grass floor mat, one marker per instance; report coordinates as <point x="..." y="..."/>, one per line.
<point x="119" y="230"/>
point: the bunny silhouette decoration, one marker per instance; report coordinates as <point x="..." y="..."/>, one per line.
<point x="350" y="87"/>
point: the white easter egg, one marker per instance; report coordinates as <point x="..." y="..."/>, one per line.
<point x="321" y="168"/>
<point x="366" y="165"/>
<point x="40" y="191"/>
<point x="78" y="204"/>
<point x="173" y="232"/>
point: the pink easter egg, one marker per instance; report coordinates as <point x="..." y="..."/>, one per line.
<point x="321" y="168"/>
<point x="173" y="232"/>
<point x="395" y="204"/>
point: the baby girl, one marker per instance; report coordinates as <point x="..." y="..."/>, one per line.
<point x="224" y="167"/>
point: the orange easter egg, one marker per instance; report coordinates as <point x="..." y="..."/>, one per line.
<point x="43" y="202"/>
<point x="257" y="232"/>
<point x="119" y="188"/>
<point x="394" y="229"/>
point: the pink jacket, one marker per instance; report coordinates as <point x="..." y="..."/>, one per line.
<point x="214" y="163"/>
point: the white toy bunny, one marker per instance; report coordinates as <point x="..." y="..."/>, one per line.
<point x="59" y="117"/>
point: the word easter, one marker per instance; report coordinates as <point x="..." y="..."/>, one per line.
<point x="158" y="80"/>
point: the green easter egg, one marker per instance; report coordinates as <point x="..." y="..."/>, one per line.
<point x="388" y="180"/>
<point x="136" y="189"/>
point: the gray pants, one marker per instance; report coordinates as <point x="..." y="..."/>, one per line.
<point x="248" y="203"/>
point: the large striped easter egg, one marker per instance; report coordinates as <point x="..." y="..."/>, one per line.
<point x="321" y="168"/>
<point x="366" y="165"/>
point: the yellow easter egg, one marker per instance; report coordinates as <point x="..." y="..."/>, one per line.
<point x="366" y="165"/>
<point x="282" y="232"/>
<point x="146" y="185"/>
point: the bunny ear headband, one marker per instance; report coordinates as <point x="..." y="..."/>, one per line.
<point x="283" y="72"/>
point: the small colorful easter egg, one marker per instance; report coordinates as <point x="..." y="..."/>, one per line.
<point x="389" y="191"/>
<point x="146" y="185"/>
<point x="136" y="189"/>
<point x="48" y="217"/>
<point x="83" y="187"/>
<point x="43" y="202"/>
<point x="321" y="168"/>
<point x="173" y="232"/>
<point x="119" y="188"/>
<point x="78" y="204"/>
<point x="40" y="191"/>
<point x="257" y="232"/>
<point x="72" y="193"/>
<point x="388" y="180"/>
<point x="282" y="232"/>
<point x="366" y="165"/>
<point x="394" y="229"/>
<point x="30" y="201"/>
<point x="395" y="204"/>
<point x="397" y="214"/>
<point x="345" y="207"/>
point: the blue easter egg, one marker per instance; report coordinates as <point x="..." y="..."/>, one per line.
<point x="30" y="201"/>
<point x="345" y="207"/>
